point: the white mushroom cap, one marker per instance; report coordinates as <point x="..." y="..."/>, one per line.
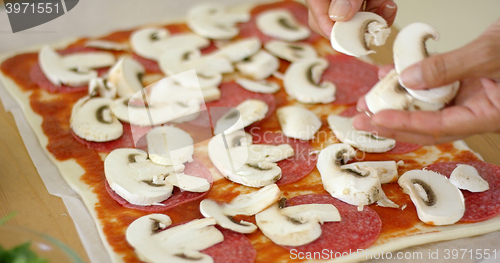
<point x="125" y="76"/>
<point x="281" y="24"/>
<point x="239" y="50"/>
<point x="74" y="70"/>
<point x="367" y="142"/>
<point x="92" y="120"/>
<point x="290" y="51"/>
<point x="102" y="87"/>
<point x="387" y="170"/>
<point x="302" y="78"/>
<point x="154" y="242"/>
<point x="258" y="86"/>
<point x="244" y="114"/>
<point x="468" y="178"/>
<point x="298" y="122"/>
<point x="106" y="44"/>
<point x="169" y="145"/>
<point x="437" y="200"/>
<point x="354" y="37"/>
<point x="215" y="22"/>
<point x="210" y="208"/>
<point x="259" y="66"/>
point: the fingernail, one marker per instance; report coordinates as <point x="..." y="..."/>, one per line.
<point x="339" y="9"/>
<point x="412" y="77"/>
<point x="389" y="10"/>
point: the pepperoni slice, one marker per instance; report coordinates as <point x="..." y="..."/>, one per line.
<point x="352" y="77"/>
<point x="404" y="147"/>
<point x="179" y="197"/>
<point x="249" y="29"/>
<point x="478" y="206"/>
<point x="356" y="230"/>
<point x="295" y="167"/>
<point x="235" y="248"/>
<point x="149" y="65"/>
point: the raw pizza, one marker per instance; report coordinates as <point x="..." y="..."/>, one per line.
<point x="253" y="161"/>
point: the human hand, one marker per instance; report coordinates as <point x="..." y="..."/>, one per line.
<point x="475" y="109"/>
<point x="323" y="13"/>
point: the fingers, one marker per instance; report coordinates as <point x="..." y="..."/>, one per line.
<point x="385" y="8"/>
<point x="480" y="58"/>
<point x="344" y="10"/>
<point x="319" y="20"/>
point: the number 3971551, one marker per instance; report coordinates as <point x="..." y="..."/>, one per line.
<point x="32" y="8"/>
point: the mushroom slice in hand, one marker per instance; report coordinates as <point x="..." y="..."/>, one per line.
<point x="290" y="51"/>
<point x="247" y="204"/>
<point x="298" y="122"/>
<point x="358" y="186"/>
<point x="467" y="177"/>
<point x="437" y="200"/>
<point x="387" y="170"/>
<point x="295" y="225"/>
<point x="154" y="242"/>
<point x="240" y="161"/>
<point x="409" y="48"/>
<point x="281" y="24"/>
<point x="125" y="75"/>
<point x="367" y="142"/>
<point x="134" y="177"/>
<point x="354" y="37"/>
<point x="302" y="78"/>
<point x="74" y="70"/>
<point x="92" y="120"/>
<point x="258" y="86"/>
<point x="213" y="21"/>
<point x="152" y="42"/>
<point x="244" y="114"/>
<point x="259" y="66"/>
<point x="168" y="145"/>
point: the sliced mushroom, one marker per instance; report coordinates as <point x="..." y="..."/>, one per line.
<point x="259" y="66"/>
<point x="125" y="75"/>
<point x="468" y="178"/>
<point x="281" y="24"/>
<point x="134" y="177"/>
<point x="246" y="204"/>
<point x="168" y="145"/>
<point x="298" y="122"/>
<point x="302" y="78"/>
<point x="189" y="183"/>
<point x="389" y="94"/>
<point x="244" y="114"/>
<point x="107" y="45"/>
<point x="354" y="37"/>
<point x="154" y="242"/>
<point x="240" y="161"/>
<point x="100" y="87"/>
<point x="74" y="70"/>
<point x="215" y="22"/>
<point x="152" y="42"/>
<point x="92" y="120"/>
<point x="409" y="48"/>
<point x="239" y="50"/>
<point x="290" y="51"/>
<point x="437" y="200"/>
<point x="295" y="226"/>
<point x="358" y="186"/>
<point x="367" y="142"/>
<point x="387" y="170"/>
<point x="258" y="86"/>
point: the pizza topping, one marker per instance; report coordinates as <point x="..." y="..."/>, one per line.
<point x="296" y="225"/>
<point x="354" y="37"/>
<point x="73" y="69"/>
<point x="92" y="120"/>
<point x="258" y="86"/>
<point x="437" y="200"/>
<point x="245" y="163"/>
<point x="387" y="170"/>
<point x="290" y="51"/>
<point x="241" y="116"/>
<point x="213" y="21"/>
<point x="107" y="45"/>
<point x="154" y="242"/>
<point x="100" y="87"/>
<point x="298" y="122"/>
<point x="259" y="66"/>
<point x="302" y="78"/>
<point x="152" y="42"/>
<point x="467" y="177"/>
<point x="409" y="48"/>
<point x="281" y="24"/>
<point x="354" y="185"/>
<point x="239" y="50"/>
<point x="168" y="145"/>
<point x="125" y="75"/>
<point x="248" y="204"/>
<point x="364" y="141"/>
<point x="389" y="94"/>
